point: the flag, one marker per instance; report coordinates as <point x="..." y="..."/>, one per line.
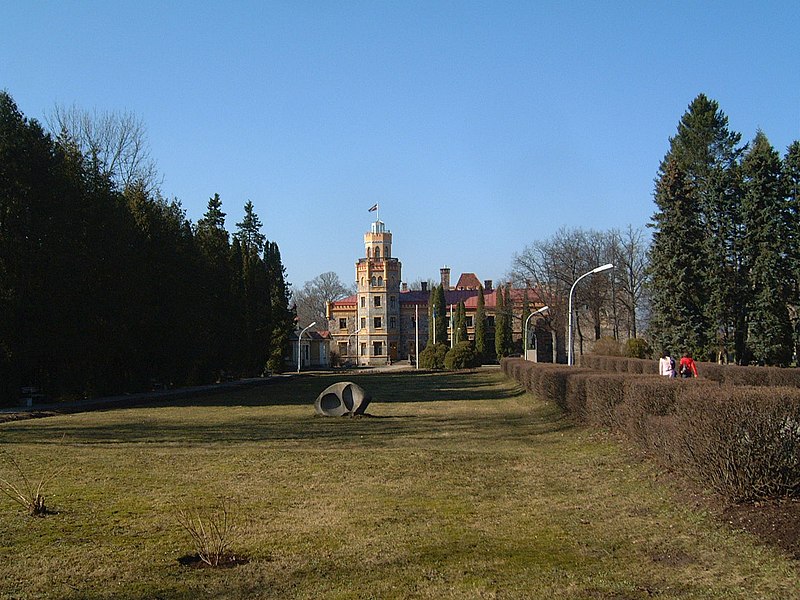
<point x="374" y="208"/>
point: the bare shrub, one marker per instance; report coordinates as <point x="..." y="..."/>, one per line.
<point x="213" y="531"/>
<point x="576" y="395"/>
<point x="743" y="441"/>
<point x="24" y="490"/>
<point x="603" y="393"/>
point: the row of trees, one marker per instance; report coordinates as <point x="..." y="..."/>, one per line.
<point x="106" y="287"/>
<point x="616" y="301"/>
<point x="725" y="254"/>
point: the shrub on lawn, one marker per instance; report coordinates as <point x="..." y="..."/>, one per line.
<point x="24" y="490"/>
<point x="213" y="531"/>
<point x="462" y="356"/>
<point x="637" y="348"/>
<point x="432" y="357"/>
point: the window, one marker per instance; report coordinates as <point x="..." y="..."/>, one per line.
<point x="363" y="301"/>
<point x="380" y="280"/>
<point x="378" y="252"/>
<point x="374" y="282"/>
<point x="377" y="348"/>
<point x="377" y="322"/>
<point x="392" y="301"/>
<point x="342" y="323"/>
<point x="392" y="323"/>
<point x="343" y="349"/>
<point x="490" y="321"/>
<point x="363" y="348"/>
<point x="469" y="321"/>
<point x="377" y="300"/>
<point x="363" y="322"/>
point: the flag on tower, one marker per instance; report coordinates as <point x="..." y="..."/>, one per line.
<point x="374" y="208"/>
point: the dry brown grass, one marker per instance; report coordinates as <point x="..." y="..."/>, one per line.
<point x="458" y="486"/>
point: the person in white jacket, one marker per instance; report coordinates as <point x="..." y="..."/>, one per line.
<point x="666" y="365"/>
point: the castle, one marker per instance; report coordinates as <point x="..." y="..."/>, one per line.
<point x="385" y="322"/>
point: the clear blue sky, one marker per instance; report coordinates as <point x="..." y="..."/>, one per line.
<point x="479" y="127"/>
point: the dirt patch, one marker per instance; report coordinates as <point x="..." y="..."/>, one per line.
<point x="195" y="562"/>
<point x="777" y="522"/>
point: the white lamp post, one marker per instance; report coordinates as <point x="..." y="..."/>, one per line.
<point x="300" y="343"/>
<point x="525" y="329"/>
<point x="600" y="269"/>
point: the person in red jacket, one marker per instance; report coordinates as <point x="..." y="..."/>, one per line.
<point x="687" y="367"/>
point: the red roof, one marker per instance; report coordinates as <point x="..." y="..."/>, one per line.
<point x="468" y="281"/>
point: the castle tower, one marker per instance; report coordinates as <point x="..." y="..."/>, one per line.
<point x="378" y="309"/>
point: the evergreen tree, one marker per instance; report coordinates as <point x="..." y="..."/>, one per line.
<point x="249" y="230"/>
<point x="480" y="326"/>
<point x="432" y="315"/>
<point x="526" y="312"/>
<point x="499" y="323"/>
<point x="461" y="334"/>
<point x="703" y="160"/>
<point x="508" y="322"/>
<point x="791" y="185"/>
<point x="677" y="297"/>
<point x="766" y="217"/>
<point x="281" y="316"/>
<point x="442" y="318"/>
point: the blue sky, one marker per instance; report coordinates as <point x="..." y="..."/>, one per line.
<point x="479" y="127"/>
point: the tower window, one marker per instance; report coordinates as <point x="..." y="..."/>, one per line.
<point x="342" y="323"/>
<point x="363" y="322"/>
<point x="377" y="300"/>
<point x="377" y="252"/>
<point x="363" y="301"/>
<point x="380" y="280"/>
<point x="392" y="323"/>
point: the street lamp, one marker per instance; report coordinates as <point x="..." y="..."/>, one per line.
<point x="300" y="343"/>
<point x="599" y="269"/>
<point x="525" y="329"/>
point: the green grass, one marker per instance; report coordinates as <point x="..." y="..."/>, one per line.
<point x="459" y="486"/>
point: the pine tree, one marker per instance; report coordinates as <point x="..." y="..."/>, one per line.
<point x="461" y="334"/>
<point x="791" y="185"/>
<point x="766" y="215"/>
<point x="282" y="318"/>
<point x="480" y="326"/>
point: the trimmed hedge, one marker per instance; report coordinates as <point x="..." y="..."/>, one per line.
<point x="743" y="441"/>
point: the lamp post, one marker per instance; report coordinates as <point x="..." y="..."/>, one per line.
<point x="525" y="329"/>
<point x="300" y="343"/>
<point x="600" y="269"/>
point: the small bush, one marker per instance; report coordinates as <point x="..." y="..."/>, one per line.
<point x="213" y="531"/>
<point x="432" y="357"/>
<point x="24" y="491"/>
<point x="607" y="346"/>
<point x="637" y="348"/>
<point x="462" y="356"/>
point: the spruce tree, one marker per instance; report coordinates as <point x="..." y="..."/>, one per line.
<point x="249" y="230"/>
<point x="791" y="186"/>
<point x="706" y="154"/>
<point x="765" y="209"/>
<point x="461" y="334"/>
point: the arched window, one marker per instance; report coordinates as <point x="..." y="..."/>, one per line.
<point x="380" y="280"/>
<point x="386" y="251"/>
<point x="369" y="252"/>
<point x="377" y="251"/>
<point x="373" y="280"/>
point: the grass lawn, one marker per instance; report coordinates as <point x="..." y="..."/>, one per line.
<point x="458" y="486"/>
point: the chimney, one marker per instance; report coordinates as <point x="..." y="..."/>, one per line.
<point x="445" y="273"/>
<point x="404" y="287"/>
<point x="424" y="285"/>
<point x="487" y="285"/>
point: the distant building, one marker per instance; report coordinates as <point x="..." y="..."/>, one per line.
<point x="378" y="324"/>
<point x="314" y="350"/>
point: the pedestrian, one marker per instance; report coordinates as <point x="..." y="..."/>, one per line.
<point x="687" y="368"/>
<point x="666" y="365"/>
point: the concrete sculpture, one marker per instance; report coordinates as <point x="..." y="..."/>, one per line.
<point x="343" y="398"/>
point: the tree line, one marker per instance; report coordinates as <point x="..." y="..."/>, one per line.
<point x="106" y="287"/>
<point x="725" y="275"/>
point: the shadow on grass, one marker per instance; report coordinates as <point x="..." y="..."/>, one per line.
<point x="376" y="429"/>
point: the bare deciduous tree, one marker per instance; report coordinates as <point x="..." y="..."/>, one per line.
<point x="312" y="300"/>
<point x="116" y="141"/>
